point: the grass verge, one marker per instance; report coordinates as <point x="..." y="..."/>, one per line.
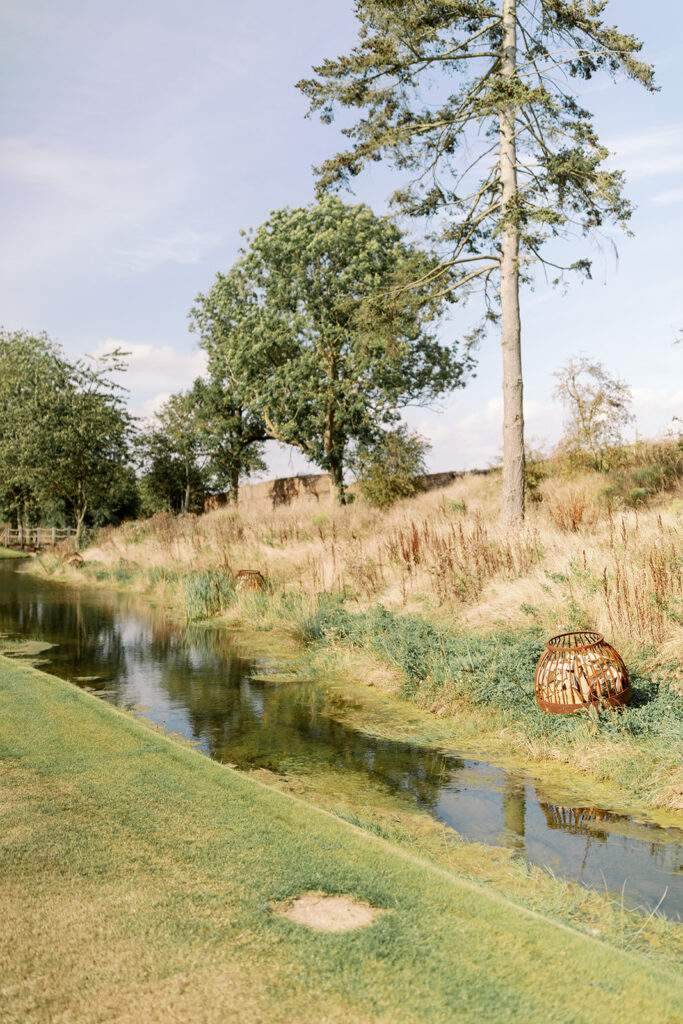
<point x="138" y="880"/>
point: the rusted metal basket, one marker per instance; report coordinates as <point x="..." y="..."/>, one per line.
<point x="249" y="579"/>
<point x="577" y="670"/>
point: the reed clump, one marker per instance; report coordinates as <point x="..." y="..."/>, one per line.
<point x="208" y="592"/>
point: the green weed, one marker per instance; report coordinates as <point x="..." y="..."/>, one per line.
<point x="207" y="592"/>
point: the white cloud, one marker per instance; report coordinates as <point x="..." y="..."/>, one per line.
<point x="150" y="407"/>
<point x="474" y="440"/>
<point x="670" y="198"/>
<point x="184" y="246"/>
<point x="650" y="154"/>
<point x="60" y="167"/>
<point x="655" y="408"/>
<point x="68" y="203"/>
<point x="154" y="371"/>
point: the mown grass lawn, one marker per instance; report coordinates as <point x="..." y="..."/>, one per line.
<point x="137" y="880"/>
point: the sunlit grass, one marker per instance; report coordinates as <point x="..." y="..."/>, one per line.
<point x="138" y="879"/>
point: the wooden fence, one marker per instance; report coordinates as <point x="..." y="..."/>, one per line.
<point x="34" y="537"/>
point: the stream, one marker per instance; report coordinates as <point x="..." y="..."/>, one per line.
<point x="241" y="712"/>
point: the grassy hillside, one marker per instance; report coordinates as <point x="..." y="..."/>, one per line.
<point x="436" y="601"/>
<point x="139" y="881"/>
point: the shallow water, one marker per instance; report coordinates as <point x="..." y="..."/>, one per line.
<point x="240" y="712"/>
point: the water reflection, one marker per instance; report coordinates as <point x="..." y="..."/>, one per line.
<point x="238" y="712"/>
<point x="579" y="821"/>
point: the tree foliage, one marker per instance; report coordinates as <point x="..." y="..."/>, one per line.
<point x="472" y="101"/>
<point x="64" y="433"/>
<point x="30" y="376"/>
<point x="175" y="455"/>
<point x="390" y="469"/>
<point x="317" y="333"/>
<point x="201" y="441"/>
<point x="598" y="410"/>
<point x="232" y="433"/>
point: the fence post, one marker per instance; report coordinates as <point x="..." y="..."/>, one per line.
<point x="7" y="537"/>
<point x="54" y="535"/>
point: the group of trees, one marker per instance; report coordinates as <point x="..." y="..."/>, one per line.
<point x="472" y="103"/>
<point x="323" y="330"/>
<point x="69" y="450"/>
<point x="202" y="441"/>
<point x="326" y="326"/>
<point x="65" y="435"/>
<point x="313" y="340"/>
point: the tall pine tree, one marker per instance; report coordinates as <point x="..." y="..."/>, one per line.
<point x="473" y="100"/>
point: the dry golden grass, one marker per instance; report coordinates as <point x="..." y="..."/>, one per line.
<point x="575" y="563"/>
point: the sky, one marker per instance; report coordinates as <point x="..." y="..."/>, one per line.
<point x="138" y="138"/>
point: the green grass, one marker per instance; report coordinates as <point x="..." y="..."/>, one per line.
<point x="487" y="678"/>
<point x="13" y="553"/>
<point x="137" y="879"/>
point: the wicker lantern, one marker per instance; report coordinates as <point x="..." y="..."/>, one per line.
<point x="577" y="670"/>
<point x="249" y="579"/>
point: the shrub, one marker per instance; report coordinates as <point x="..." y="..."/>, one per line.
<point x="391" y="468"/>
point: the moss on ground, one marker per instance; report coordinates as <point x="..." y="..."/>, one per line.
<point x="138" y="879"/>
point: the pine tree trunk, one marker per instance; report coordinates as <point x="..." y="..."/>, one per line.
<point x="513" y="409"/>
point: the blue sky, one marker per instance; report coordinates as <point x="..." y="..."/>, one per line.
<point x="137" y="138"/>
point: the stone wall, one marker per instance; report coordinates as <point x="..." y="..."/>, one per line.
<point x="313" y="491"/>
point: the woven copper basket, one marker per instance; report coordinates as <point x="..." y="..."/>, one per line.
<point x="249" y="579"/>
<point x="577" y="670"/>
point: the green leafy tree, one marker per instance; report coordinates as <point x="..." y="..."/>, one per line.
<point x="64" y="432"/>
<point x="472" y="101"/>
<point x="232" y="434"/>
<point x="31" y="375"/>
<point x="174" y="453"/>
<point x="319" y="334"/>
<point x="598" y="410"/>
<point x="392" y="467"/>
<point x="89" y="435"/>
<point x="163" y="480"/>
<point x="204" y="440"/>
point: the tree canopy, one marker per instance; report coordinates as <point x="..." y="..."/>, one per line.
<point x="201" y="441"/>
<point x="472" y="101"/>
<point x="324" y="328"/>
<point x="64" y="433"/>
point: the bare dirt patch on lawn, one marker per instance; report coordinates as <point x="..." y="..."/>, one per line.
<point x="326" y="913"/>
